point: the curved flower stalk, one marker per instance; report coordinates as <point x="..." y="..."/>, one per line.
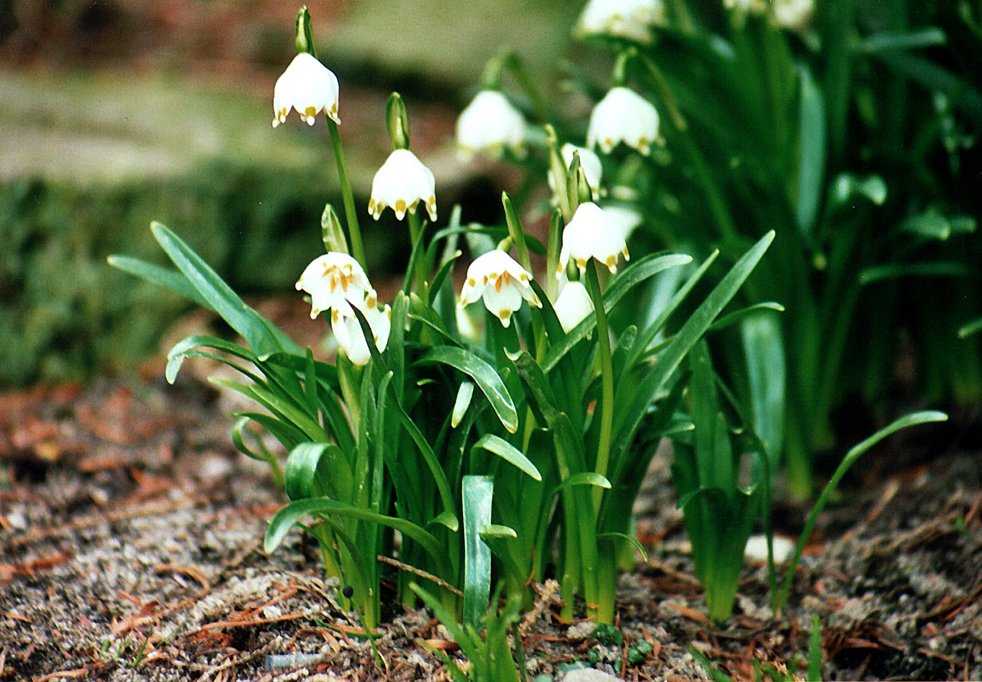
<point x="333" y="281"/>
<point x="307" y="86"/>
<point x="625" y="18"/>
<point x="573" y="305"/>
<point x="501" y="282"/>
<point x="490" y="124"/>
<point x="592" y="233"/>
<point x="348" y="331"/>
<point x="623" y="116"/>
<point x="401" y="183"/>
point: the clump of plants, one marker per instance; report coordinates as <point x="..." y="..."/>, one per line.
<point x="468" y="442"/>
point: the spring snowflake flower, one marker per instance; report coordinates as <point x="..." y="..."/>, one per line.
<point x="307" y="86"/>
<point x="348" y="331"/>
<point x="333" y="281"/>
<point x="572" y="305"/>
<point x="502" y="282"/>
<point x="624" y="218"/>
<point x="592" y="233"/>
<point x="623" y="116"/>
<point x="401" y="183"/>
<point x="489" y="124"/>
<point x="625" y="18"/>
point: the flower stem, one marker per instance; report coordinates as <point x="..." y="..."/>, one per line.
<point x="350" y="214"/>
<point x="606" y="379"/>
<point x="419" y="259"/>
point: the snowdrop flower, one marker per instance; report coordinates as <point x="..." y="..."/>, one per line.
<point x="794" y="15"/>
<point x="591" y="233"/>
<point x="401" y="183"/>
<point x="623" y="116"/>
<point x="489" y="124"/>
<point x="333" y="280"/>
<point x="307" y="86"/>
<point x="626" y="18"/>
<point x="501" y="281"/>
<point x="572" y="305"/>
<point x="348" y="331"/>
<point x="589" y="162"/>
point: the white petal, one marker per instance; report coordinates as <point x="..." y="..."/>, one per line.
<point x="591" y="233"/>
<point x="623" y="116"/>
<point x="572" y="305"/>
<point x="333" y="280"/>
<point x="400" y="184"/>
<point x="626" y="18"/>
<point x="307" y="86"/>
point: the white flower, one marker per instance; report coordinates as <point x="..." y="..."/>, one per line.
<point x="623" y="116"/>
<point x="401" y="183"/>
<point x="626" y="18"/>
<point x="572" y="305"/>
<point x="307" y="86"/>
<point x="501" y="281"/>
<point x="348" y="331"/>
<point x="624" y="218"/>
<point x="794" y="15"/>
<point x="589" y="162"/>
<point x="591" y="233"/>
<point x="489" y="124"/>
<point x="333" y="280"/>
<point x="746" y="6"/>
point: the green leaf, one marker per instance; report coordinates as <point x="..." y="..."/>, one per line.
<point x="317" y="470"/>
<point x="815" y="650"/>
<point x="928" y="36"/>
<point x="278" y="405"/>
<point x="483" y="374"/>
<point x="476" y="494"/>
<point x="185" y="347"/>
<point x="811" y="151"/>
<point x="493" y="530"/>
<point x="291" y="514"/>
<point x="508" y="452"/>
<point x="939" y="227"/>
<point x="165" y="277"/>
<point x="763" y="349"/>
<point x="583" y="478"/>
<point x="739" y="315"/>
<point x="630" y="539"/>
<point x="880" y="273"/>
<point x="220" y="296"/>
<point x="971" y="328"/>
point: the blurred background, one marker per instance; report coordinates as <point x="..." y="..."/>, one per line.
<point x="114" y="113"/>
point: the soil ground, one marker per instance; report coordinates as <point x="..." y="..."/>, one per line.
<point x="131" y="549"/>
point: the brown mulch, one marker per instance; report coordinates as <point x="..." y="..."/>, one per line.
<point x="131" y="549"/>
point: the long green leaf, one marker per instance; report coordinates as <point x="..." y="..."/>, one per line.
<point x="316" y="470"/>
<point x="811" y="152"/>
<point x="220" y="296"/>
<point x="483" y="374"/>
<point x="508" y="452"/>
<point x="183" y="348"/>
<point x="164" y="277"/>
<point x="476" y="494"/>
<point x="288" y="516"/>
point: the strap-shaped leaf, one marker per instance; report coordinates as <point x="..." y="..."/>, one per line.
<point x="187" y="346"/>
<point x="164" y="277"/>
<point x="476" y="494"/>
<point x="315" y="470"/>
<point x="508" y="452"/>
<point x="483" y="374"/>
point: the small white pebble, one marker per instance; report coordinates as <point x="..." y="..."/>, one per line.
<point x="756" y="550"/>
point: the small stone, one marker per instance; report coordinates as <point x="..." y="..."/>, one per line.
<point x="588" y="675"/>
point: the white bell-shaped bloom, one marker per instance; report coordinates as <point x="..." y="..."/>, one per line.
<point x="591" y="233"/>
<point x="623" y="116"/>
<point x="307" y="86"/>
<point x="501" y="282"/>
<point x="625" y="18"/>
<point x="401" y="183"/>
<point x="590" y="163"/>
<point x="333" y="280"/>
<point x="348" y="331"/>
<point x="489" y="124"/>
<point x="624" y="218"/>
<point x="794" y="15"/>
<point x="572" y="305"/>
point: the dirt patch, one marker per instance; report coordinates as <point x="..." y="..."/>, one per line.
<point x="130" y="549"/>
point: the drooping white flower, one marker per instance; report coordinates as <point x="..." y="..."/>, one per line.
<point x="333" y="280"/>
<point x="489" y="124"/>
<point x="501" y="282"/>
<point x="623" y="116"/>
<point x="307" y="86"/>
<point x="591" y="233"/>
<point x="626" y="18"/>
<point x="572" y="305"/>
<point x="794" y="15"/>
<point x="401" y="183"/>
<point x="348" y="331"/>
